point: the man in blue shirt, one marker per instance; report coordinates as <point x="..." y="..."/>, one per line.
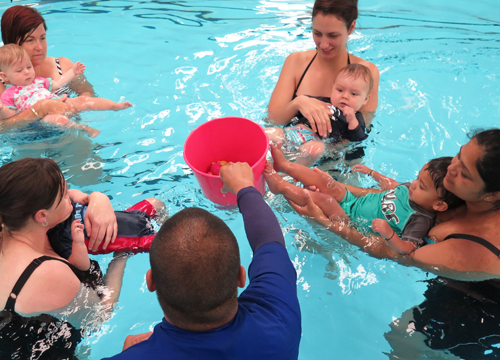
<point x="195" y="270"/>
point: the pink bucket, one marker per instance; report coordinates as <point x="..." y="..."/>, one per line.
<point x="231" y="139"/>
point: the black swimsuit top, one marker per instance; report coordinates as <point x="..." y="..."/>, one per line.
<point x="476" y="239"/>
<point x="307" y="68"/>
<point x="44" y="335"/>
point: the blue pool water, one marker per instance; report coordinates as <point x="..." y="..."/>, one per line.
<point x="182" y="63"/>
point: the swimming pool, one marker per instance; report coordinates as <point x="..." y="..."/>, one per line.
<point x="182" y="63"/>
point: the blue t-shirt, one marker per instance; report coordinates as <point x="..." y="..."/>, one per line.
<point x="267" y="324"/>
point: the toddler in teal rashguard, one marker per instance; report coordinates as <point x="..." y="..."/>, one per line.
<point x="401" y="213"/>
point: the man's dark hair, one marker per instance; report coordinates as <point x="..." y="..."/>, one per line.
<point x="195" y="263"/>
<point x="437" y="169"/>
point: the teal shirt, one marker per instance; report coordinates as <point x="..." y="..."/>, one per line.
<point x="404" y="216"/>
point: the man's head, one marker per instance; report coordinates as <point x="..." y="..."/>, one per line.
<point x="352" y="87"/>
<point x="428" y="191"/>
<point x="195" y="268"/>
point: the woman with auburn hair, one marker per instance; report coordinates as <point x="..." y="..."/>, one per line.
<point x="307" y="77"/>
<point x="25" y="26"/>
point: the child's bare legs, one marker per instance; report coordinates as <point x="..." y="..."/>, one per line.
<point x="56" y="119"/>
<point x="61" y="120"/>
<point x="296" y="194"/>
<point x="310" y="152"/>
<point x="84" y="103"/>
<point x="306" y="175"/>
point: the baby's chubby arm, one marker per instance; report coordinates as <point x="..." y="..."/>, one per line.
<point x="393" y="240"/>
<point x="79" y="254"/>
<point x="77" y="69"/>
<point x="385" y="182"/>
<point x="350" y="116"/>
<point x="78" y="196"/>
<point x="6" y="112"/>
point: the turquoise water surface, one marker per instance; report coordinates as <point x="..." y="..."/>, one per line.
<point x="182" y="63"/>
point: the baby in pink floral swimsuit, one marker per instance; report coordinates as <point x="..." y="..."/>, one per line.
<point x="27" y="89"/>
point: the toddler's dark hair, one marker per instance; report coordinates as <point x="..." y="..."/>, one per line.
<point x="437" y="169"/>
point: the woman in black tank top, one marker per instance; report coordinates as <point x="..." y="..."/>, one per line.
<point x="313" y="72"/>
<point x="40" y="292"/>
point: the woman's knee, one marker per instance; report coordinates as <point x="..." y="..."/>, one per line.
<point x="313" y="148"/>
<point x="275" y="134"/>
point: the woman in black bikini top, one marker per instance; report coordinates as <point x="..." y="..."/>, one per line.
<point x="472" y="244"/>
<point x="333" y="21"/>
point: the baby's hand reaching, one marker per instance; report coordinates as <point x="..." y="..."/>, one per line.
<point x="77" y="232"/>
<point x="362" y="169"/>
<point x="78" y="68"/>
<point x="382" y="227"/>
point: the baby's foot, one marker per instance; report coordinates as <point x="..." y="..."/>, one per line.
<point x="122" y="105"/>
<point x="279" y="158"/>
<point x="91" y="131"/>
<point x="274" y="180"/>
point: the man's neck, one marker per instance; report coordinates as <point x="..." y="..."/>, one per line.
<point x="204" y="327"/>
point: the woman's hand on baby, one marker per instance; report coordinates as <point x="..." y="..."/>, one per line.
<point x="77" y="232"/>
<point x="310" y="210"/>
<point x="382" y="227"/>
<point x="362" y="169"/>
<point x="78" y="68"/>
<point x="236" y="176"/>
<point x="100" y="221"/>
<point x="318" y="114"/>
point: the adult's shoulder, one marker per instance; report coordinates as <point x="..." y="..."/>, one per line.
<point x="300" y="58"/>
<point x="373" y="68"/>
<point x="65" y="63"/>
<point x="53" y="284"/>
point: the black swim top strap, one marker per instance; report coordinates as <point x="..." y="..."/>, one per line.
<point x="11" y="302"/>
<point x="348" y="59"/>
<point x="58" y="66"/>
<point x="303" y="74"/>
<point x="478" y="240"/>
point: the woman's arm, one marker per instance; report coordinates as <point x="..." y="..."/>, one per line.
<point x="370" y="107"/>
<point x="79" y="84"/>
<point x="282" y="108"/>
<point x="36" y="112"/>
<point x="100" y="221"/>
<point x="452" y="258"/>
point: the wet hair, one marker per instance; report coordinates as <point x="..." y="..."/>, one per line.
<point x="357" y="70"/>
<point x="347" y="10"/>
<point x="11" y="54"/>
<point x="488" y="164"/>
<point x="18" y="22"/>
<point x="27" y="186"/>
<point x="195" y="263"/>
<point x="437" y="169"/>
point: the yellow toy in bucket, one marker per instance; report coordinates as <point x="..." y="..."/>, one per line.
<point x="215" y="168"/>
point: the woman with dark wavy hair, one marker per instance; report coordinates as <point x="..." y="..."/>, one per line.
<point x="307" y="77"/>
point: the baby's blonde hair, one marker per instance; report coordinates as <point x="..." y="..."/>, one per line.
<point x="11" y="54"/>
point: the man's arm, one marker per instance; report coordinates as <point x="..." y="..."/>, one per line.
<point x="261" y="225"/>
